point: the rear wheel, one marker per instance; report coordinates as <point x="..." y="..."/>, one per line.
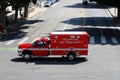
<point x="71" y="56"/>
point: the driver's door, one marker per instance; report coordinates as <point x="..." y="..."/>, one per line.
<point x="41" y="49"/>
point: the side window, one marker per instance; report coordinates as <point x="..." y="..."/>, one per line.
<point x="42" y="43"/>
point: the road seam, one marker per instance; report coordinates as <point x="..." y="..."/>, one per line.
<point x="68" y="21"/>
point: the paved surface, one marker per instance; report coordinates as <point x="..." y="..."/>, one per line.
<point x="66" y="15"/>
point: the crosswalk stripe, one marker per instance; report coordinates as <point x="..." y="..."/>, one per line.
<point x="26" y="30"/>
<point x="114" y="40"/>
<point x="103" y="40"/>
<point x="23" y="40"/>
<point x="35" y="40"/>
<point x="92" y="40"/>
<point x="10" y="42"/>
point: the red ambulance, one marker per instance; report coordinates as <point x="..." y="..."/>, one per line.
<point x="70" y="44"/>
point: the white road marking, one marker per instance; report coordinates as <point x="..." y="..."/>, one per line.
<point x="114" y="40"/>
<point x="10" y="42"/>
<point x="23" y="40"/>
<point x="92" y="40"/>
<point x="20" y="35"/>
<point x="26" y="30"/>
<point x="103" y="40"/>
<point x="35" y="40"/>
<point x="66" y="24"/>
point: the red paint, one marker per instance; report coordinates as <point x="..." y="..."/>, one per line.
<point x="60" y="43"/>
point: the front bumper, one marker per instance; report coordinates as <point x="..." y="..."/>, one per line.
<point x="19" y="52"/>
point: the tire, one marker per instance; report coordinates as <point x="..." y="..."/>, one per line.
<point x="27" y="56"/>
<point x="71" y="56"/>
<point x="85" y="2"/>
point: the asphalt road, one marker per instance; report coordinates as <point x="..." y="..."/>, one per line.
<point x="66" y="15"/>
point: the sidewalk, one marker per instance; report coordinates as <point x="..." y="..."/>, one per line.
<point x="37" y="10"/>
<point x="15" y="28"/>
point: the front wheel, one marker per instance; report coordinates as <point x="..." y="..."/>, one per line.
<point x="27" y="56"/>
<point x="71" y="56"/>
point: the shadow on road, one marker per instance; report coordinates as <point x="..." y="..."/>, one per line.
<point x="90" y="5"/>
<point x="92" y="21"/>
<point x="18" y="31"/>
<point x="31" y="21"/>
<point x="52" y="61"/>
<point x="96" y="27"/>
